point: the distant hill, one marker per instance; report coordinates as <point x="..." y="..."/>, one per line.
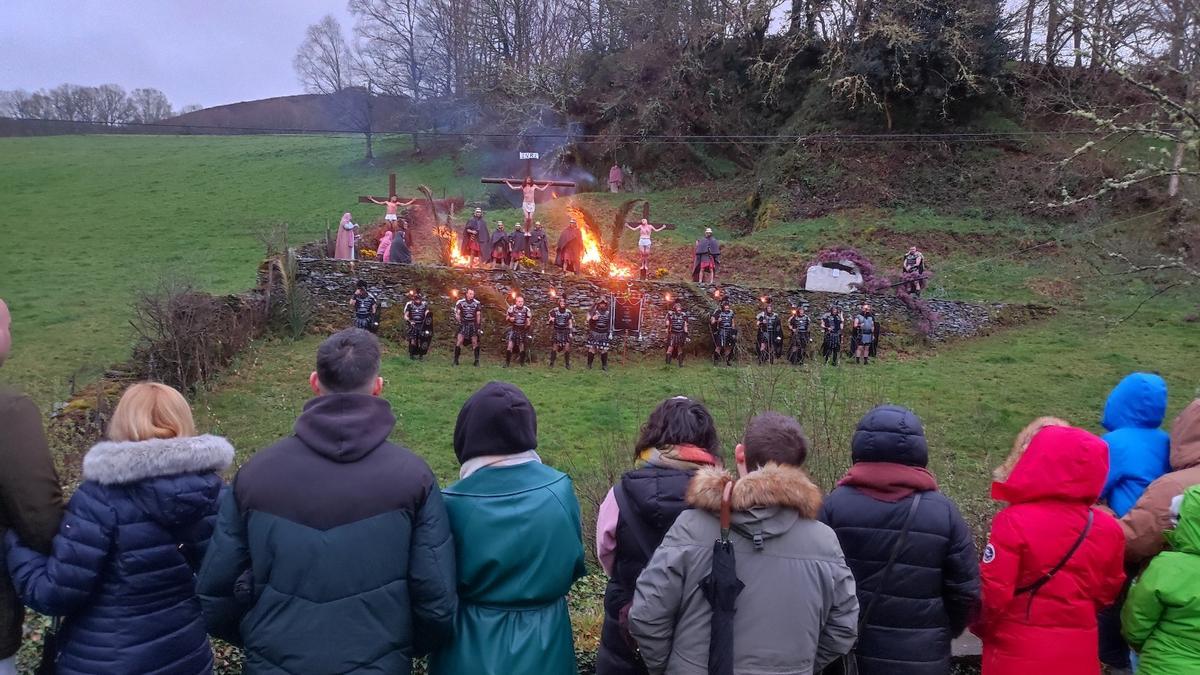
<point x="344" y="111"/>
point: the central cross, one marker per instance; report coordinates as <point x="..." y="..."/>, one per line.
<point x="405" y="201"/>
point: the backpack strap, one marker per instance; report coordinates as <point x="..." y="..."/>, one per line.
<point x="887" y="569"/>
<point x="1036" y="586"/>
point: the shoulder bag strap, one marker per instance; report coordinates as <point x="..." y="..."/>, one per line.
<point x="1036" y="586"/>
<point x="887" y="569"/>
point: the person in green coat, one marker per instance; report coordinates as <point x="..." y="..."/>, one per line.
<point x="1161" y="617"/>
<point x="518" y="542"/>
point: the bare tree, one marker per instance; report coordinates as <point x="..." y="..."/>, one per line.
<point x="112" y="105"/>
<point x="149" y="105"/>
<point x="323" y="62"/>
<point x="396" y="46"/>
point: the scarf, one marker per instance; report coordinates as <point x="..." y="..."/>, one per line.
<point x="683" y="457"/>
<point x="887" y="481"/>
<point x="492" y="461"/>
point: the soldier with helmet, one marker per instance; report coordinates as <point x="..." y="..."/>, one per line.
<point x="562" y="323"/>
<point x="520" y="319"/>
<point x="599" y="333"/>
<point x="724" y="327"/>
<point x="770" y="334"/>
<point x="420" y="325"/>
<point x="677" y="332"/>
<point x="800" y="325"/>
<point x="831" y="324"/>
<point x="468" y="312"/>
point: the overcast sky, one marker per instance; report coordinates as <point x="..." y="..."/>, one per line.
<point x="196" y="51"/>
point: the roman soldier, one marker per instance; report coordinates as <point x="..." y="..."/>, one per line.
<point x="724" y="327"/>
<point x="868" y="330"/>
<point x="707" y="258"/>
<point x="420" y="328"/>
<point x="914" y="270"/>
<point x="799" y="323"/>
<point x="599" y="333"/>
<point x="677" y="332"/>
<point x="519" y="318"/>
<point x="770" y="334"/>
<point x="468" y="312"/>
<point x="475" y="237"/>
<point x="501" y="247"/>
<point x="537" y="246"/>
<point x="831" y="324"/>
<point x="562" y="323"/>
<point x="873" y="352"/>
<point x="366" y="308"/>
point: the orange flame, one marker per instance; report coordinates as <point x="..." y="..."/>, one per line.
<point x="457" y="259"/>
<point x="593" y="259"/>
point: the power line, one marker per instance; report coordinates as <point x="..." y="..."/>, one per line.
<point x="583" y="138"/>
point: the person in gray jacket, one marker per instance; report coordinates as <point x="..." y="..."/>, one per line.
<point x="798" y="611"/>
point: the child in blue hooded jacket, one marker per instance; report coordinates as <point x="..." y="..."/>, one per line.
<point x="1138" y="450"/>
<point x="1138" y="454"/>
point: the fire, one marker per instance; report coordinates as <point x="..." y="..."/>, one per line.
<point x="457" y="259"/>
<point x="594" y="259"/>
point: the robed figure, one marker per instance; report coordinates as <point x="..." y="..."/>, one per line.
<point x="569" y="251"/>
<point x="707" y="258"/>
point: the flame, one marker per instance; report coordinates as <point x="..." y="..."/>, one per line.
<point x="457" y="259"/>
<point x="593" y="259"/>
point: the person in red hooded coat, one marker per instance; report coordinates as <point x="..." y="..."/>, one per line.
<point x="1052" y="560"/>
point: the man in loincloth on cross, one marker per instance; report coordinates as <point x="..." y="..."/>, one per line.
<point x="528" y="190"/>
<point x="644" y="230"/>
<point x="468" y="312"/>
<point x="392" y="205"/>
<point x="519" y="318"/>
<point x="677" y="332"/>
<point x="562" y="322"/>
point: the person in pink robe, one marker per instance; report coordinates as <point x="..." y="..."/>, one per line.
<point x="343" y="247"/>
<point x="385" y="246"/>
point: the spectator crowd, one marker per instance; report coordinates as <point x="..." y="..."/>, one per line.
<point x="336" y="551"/>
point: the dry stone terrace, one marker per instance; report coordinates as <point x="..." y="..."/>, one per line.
<point x="331" y="282"/>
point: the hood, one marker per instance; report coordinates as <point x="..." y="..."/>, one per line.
<point x="1139" y="400"/>
<point x="173" y="480"/>
<point x="497" y="420"/>
<point x="759" y="496"/>
<point x="1002" y="472"/>
<point x="1061" y="463"/>
<point x="1186" y="535"/>
<point x="1185" y="438"/>
<point x="345" y="427"/>
<point x="890" y="433"/>
<point x="121" y="462"/>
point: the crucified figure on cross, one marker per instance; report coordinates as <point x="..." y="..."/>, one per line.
<point x="644" y="230"/>
<point x="392" y="202"/>
<point x="528" y="187"/>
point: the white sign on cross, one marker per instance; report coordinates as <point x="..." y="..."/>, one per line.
<point x="530" y="155"/>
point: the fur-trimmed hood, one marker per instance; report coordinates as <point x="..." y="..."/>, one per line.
<point x="773" y="485"/>
<point x="118" y="463"/>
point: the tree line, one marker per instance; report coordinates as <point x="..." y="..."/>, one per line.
<point x="103" y="104"/>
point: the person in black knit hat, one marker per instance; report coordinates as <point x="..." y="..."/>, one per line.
<point x="518" y="541"/>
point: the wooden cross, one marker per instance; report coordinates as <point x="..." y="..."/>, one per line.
<point x="367" y="199"/>
<point x="528" y="157"/>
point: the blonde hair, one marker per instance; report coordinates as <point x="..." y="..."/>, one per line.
<point x="1024" y="438"/>
<point x="151" y="410"/>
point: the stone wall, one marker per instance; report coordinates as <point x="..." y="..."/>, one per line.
<point x="331" y="283"/>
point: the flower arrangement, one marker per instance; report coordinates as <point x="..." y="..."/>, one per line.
<point x="366" y="254"/>
<point x="661" y="273"/>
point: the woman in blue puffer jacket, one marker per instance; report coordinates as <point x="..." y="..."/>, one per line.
<point x="121" y="568"/>
<point x="1138" y="450"/>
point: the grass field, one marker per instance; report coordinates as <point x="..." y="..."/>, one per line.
<point x="89" y="220"/>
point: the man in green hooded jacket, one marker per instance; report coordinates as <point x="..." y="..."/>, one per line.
<point x="1161" y="617"/>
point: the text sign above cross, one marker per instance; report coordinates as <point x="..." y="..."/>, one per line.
<point x="528" y="157"/>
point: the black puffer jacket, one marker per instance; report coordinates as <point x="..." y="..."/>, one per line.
<point x="656" y="495"/>
<point x="933" y="588"/>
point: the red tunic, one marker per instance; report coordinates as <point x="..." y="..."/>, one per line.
<point x="1049" y="493"/>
